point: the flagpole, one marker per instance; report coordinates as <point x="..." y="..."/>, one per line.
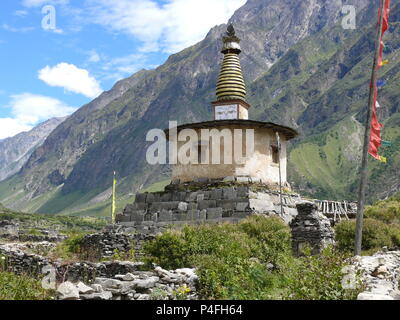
<point x="278" y="139"/>
<point x="367" y="135"/>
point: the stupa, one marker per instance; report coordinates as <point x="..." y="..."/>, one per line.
<point x="232" y="167"/>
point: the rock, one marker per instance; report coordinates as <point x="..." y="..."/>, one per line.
<point x="84" y="289"/>
<point x="143" y="297"/>
<point x="105" y="295"/>
<point x="380" y="274"/>
<point x="126" y="277"/>
<point x="381" y="270"/>
<point x="109" y="283"/>
<point x="163" y="273"/>
<point x="270" y="267"/>
<point x="182" y="206"/>
<point x="128" y="287"/>
<point x="373" y="296"/>
<point x="190" y="275"/>
<point x="68" y="291"/>
<point x="146" y="283"/>
<point x="229" y="179"/>
<point x="97" y="288"/>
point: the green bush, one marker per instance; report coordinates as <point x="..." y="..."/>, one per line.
<point x="320" y="277"/>
<point x="233" y="261"/>
<point x="69" y="249"/>
<point x="168" y="250"/>
<point x="376" y="234"/>
<point x="387" y="211"/>
<point x="230" y="259"/>
<point x="13" y="287"/>
<point x="271" y="236"/>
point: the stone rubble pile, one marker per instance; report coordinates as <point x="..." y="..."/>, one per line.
<point x="111" y="280"/>
<point x="20" y="262"/>
<point x="159" y="284"/>
<point x="115" y="239"/>
<point x="8" y="228"/>
<point x="105" y="244"/>
<point x="12" y="231"/>
<point x="381" y="275"/>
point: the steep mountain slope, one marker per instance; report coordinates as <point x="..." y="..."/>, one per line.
<point x="15" y="151"/>
<point x="302" y="69"/>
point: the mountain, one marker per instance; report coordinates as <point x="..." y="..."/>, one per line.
<point x="15" y="151"/>
<point x="301" y="68"/>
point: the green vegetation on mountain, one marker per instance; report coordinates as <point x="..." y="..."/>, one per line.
<point x="64" y="224"/>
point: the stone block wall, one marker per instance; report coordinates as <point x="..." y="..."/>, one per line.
<point x="215" y="204"/>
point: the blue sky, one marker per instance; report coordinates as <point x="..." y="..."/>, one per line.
<point x="57" y="55"/>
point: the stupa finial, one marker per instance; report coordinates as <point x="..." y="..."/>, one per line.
<point x="231" y="31"/>
<point x="230" y="84"/>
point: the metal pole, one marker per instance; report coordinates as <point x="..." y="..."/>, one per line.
<point x="278" y="139"/>
<point x="364" y="164"/>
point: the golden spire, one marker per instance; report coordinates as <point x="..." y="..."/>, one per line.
<point x="231" y="85"/>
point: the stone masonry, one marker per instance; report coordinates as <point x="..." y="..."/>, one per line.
<point x="206" y="203"/>
<point x="311" y="228"/>
<point x="111" y="280"/>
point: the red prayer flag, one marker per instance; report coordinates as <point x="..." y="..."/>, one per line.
<point x="375" y="135"/>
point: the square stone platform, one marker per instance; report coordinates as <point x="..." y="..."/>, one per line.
<point x="201" y="202"/>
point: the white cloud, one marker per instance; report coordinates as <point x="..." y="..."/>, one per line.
<point x="94" y="56"/>
<point x="39" y="3"/>
<point x="28" y="110"/>
<point x="21" y="13"/>
<point x="10" y="127"/>
<point x="9" y="28"/>
<point x="71" y="78"/>
<point x="170" y="27"/>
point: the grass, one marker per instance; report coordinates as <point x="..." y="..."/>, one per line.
<point x="103" y="208"/>
<point x="14" y="287"/>
<point x="63" y="223"/>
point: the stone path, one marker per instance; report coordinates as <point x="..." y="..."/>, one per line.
<point x="381" y="273"/>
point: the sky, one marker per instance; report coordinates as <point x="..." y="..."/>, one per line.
<point x="57" y="55"/>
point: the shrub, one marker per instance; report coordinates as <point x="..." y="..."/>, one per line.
<point x="387" y="210"/>
<point x="167" y="250"/>
<point x="230" y="259"/>
<point x="69" y="249"/>
<point x="271" y="235"/>
<point x="376" y="234"/>
<point x="320" y="277"/>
